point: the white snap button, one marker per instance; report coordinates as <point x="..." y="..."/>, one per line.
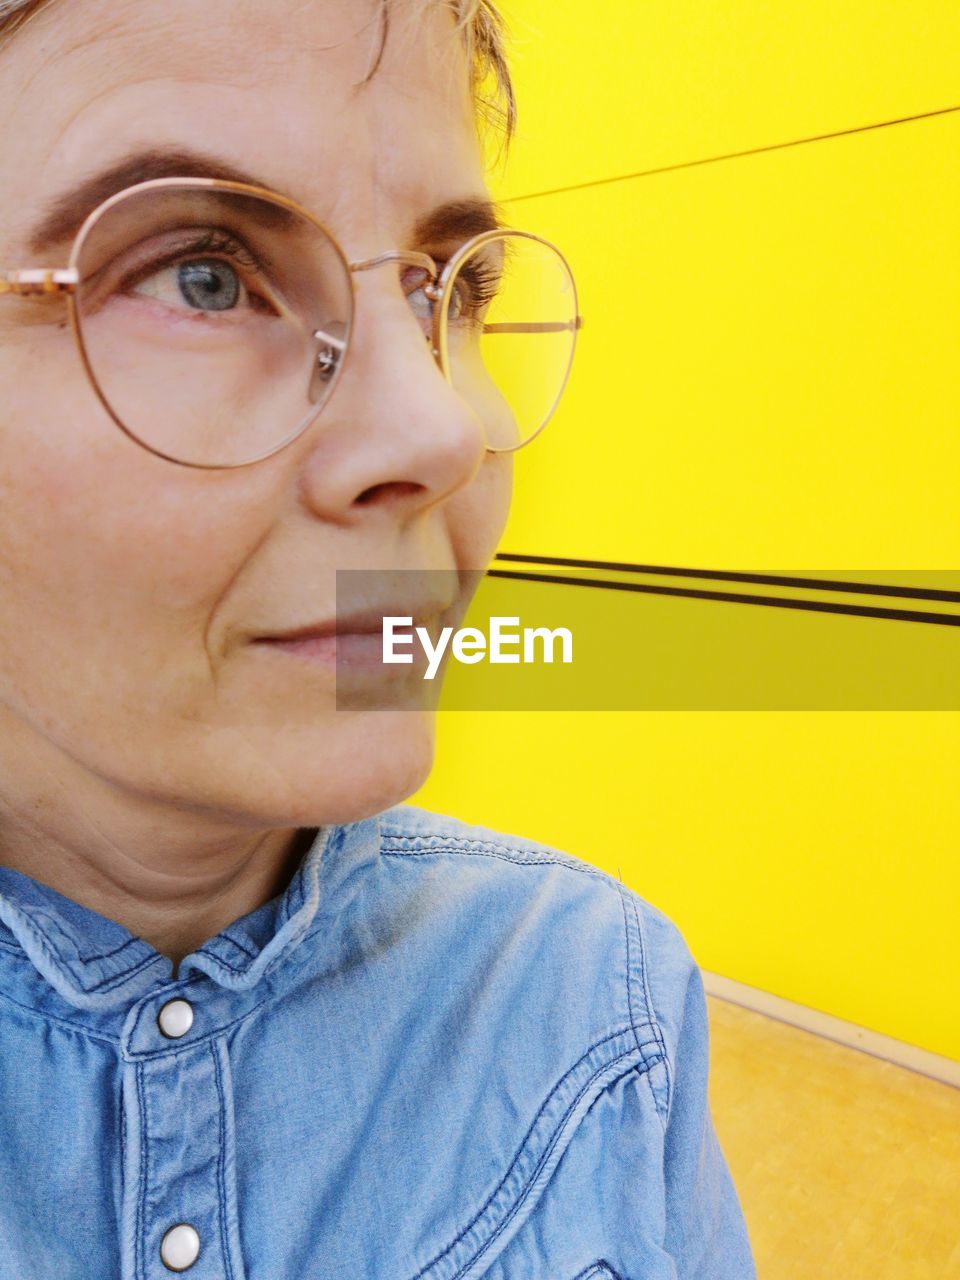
<point x="175" y="1018"/>
<point x="180" y="1247"/>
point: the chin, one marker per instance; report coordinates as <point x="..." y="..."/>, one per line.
<point x="360" y="766"/>
<point x="339" y="768"/>
<point x="397" y="761"/>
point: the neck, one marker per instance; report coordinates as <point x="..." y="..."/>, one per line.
<point x="172" y="876"/>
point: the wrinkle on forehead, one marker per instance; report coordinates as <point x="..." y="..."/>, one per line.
<point x="145" y="36"/>
<point x="93" y="45"/>
<point x="141" y="35"/>
<point x="268" y="90"/>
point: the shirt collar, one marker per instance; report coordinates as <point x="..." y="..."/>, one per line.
<point x="95" y="963"/>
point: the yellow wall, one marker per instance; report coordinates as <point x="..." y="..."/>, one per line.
<point x="768" y="378"/>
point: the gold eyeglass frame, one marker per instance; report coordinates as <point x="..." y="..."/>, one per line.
<point x="64" y="281"/>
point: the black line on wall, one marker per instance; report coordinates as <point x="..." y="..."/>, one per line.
<point x="734" y="575"/>
<point x="732" y="597"/>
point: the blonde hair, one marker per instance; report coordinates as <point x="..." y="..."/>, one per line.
<point x="478" y="22"/>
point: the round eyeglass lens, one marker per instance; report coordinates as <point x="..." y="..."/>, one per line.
<point x="213" y="322"/>
<point x="508" y="327"/>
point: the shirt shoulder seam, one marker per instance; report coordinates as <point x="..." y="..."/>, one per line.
<point x="404" y="843"/>
<point x="638" y="999"/>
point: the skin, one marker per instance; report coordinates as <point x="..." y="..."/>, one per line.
<point x="156" y="766"/>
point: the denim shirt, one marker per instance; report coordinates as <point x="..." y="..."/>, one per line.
<point x="441" y="1053"/>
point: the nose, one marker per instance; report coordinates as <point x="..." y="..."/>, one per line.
<point x="395" y="435"/>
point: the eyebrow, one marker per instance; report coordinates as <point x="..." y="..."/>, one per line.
<point x="460" y="220"/>
<point x="65" y="214"/>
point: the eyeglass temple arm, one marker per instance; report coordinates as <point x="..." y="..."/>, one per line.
<point x="47" y="280"/>
<point x="51" y="280"/>
<point x="547" y="326"/>
<point x="54" y="280"/>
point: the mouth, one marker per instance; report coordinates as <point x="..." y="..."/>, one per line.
<point x="353" y="643"/>
<point x="358" y="648"/>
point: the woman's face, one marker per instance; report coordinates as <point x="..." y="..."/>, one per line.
<point x="131" y="586"/>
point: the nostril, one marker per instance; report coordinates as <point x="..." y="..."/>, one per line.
<point x="390" y="488"/>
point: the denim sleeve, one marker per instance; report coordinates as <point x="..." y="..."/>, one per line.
<point x="642" y="1190"/>
<point x="704" y="1229"/>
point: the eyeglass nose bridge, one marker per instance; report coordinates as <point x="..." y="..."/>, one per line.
<point x="412" y="258"/>
<point x="333" y="348"/>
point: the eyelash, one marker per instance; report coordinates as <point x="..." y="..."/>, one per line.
<point x="209" y="242"/>
<point x="485" y="281"/>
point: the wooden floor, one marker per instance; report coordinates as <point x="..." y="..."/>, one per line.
<point x="847" y="1167"/>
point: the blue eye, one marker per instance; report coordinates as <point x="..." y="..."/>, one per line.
<point x="187" y="275"/>
<point x="475" y="286"/>
<point x="208" y="283"/>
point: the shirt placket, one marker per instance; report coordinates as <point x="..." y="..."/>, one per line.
<point x="179" y="1213"/>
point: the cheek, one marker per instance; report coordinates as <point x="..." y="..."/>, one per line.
<point x="477" y="515"/>
<point x="110" y="564"/>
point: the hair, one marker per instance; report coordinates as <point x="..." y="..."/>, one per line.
<point x="478" y="22"/>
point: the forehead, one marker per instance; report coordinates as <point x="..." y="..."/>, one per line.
<point x="275" y="88"/>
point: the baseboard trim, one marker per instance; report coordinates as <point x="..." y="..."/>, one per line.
<point x="946" y="1070"/>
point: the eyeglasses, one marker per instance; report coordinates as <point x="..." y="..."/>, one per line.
<point x="214" y="319"/>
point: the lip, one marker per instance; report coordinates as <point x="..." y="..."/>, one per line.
<point x="354" y="653"/>
<point x="346" y="651"/>
<point x="361" y="622"/>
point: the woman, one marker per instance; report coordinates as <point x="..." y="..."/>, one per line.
<point x="259" y="1019"/>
